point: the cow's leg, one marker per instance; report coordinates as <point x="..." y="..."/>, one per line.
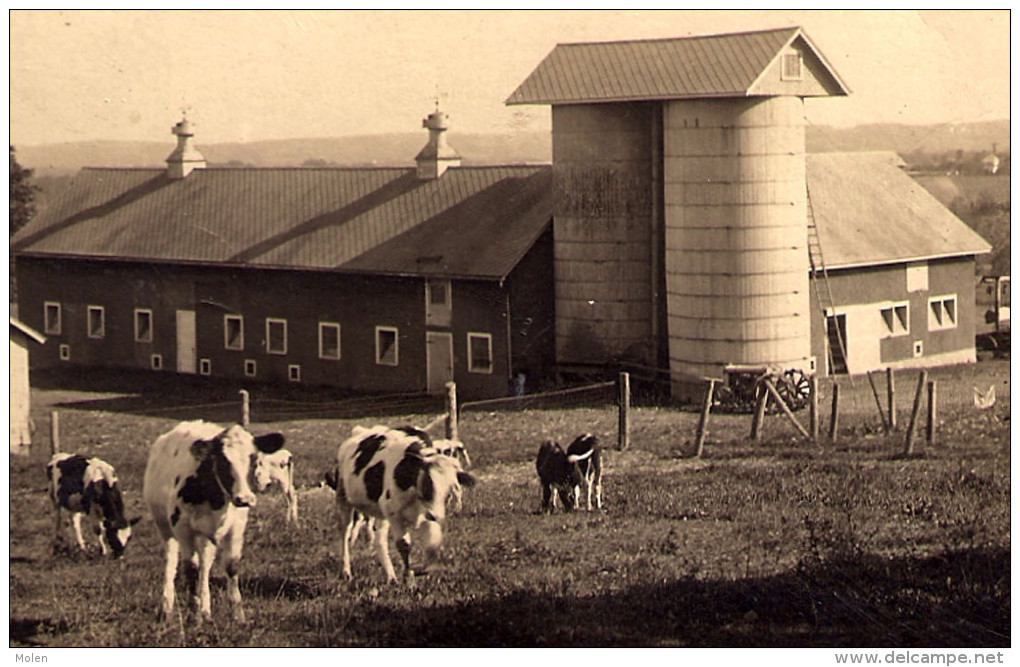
<point x="58" y="527"/>
<point x="76" y="523"/>
<point x="589" y="482"/>
<point x="548" y="500"/>
<point x="347" y="517"/>
<point x="206" y="558"/>
<point x="172" y="553"/>
<point x="233" y="546"/>
<point x="598" y="489"/>
<point x="291" y="493"/>
<point x="380" y="540"/>
<point x="190" y="571"/>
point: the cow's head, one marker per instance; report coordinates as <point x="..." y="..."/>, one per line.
<point x="118" y="533"/>
<point x="440" y="478"/>
<point x="225" y="463"/>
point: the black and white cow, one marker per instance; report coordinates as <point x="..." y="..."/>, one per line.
<point x="277" y="468"/>
<point x="566" y="471"/>
<point x="87" y="486"/>
<point x="395" y="477"/>
<point x="196" y="485"/>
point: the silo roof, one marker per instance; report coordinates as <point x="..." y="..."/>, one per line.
<point x="728" y="65"/>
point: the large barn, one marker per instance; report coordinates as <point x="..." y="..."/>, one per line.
<point x="681" y="226"/>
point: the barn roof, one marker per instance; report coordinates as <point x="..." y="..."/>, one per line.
<point x="869" y="211"/>
<point x="18" y="325"/>
<point x="728" y="65"/>
<point x="301" y="218"/>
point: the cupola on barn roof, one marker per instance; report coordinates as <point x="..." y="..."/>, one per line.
<point x="744" y="64"/>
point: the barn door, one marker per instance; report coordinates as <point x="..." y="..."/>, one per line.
<point x="185" y="341"/>
<point x="439" y="353"/>
<point x="835" y="326"/>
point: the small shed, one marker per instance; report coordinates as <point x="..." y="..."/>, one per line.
<point x="21" y="422"/>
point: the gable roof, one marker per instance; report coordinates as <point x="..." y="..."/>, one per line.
<point x="868" y="211"/>
<point x="729" y="65"/>
<point x="297" y="218"/>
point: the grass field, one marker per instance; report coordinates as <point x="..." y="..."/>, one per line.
<point x="776" y="543"/>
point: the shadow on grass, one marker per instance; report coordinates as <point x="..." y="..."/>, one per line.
<point x="959" y="599"/>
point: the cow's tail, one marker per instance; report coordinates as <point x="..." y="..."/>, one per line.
<point x="574" y="458"/>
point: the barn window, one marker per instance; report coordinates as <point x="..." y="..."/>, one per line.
<point x="97" y="322"/>
<point x="329" y="340"/>
<point x="386" y="346"/>
<point x="917" y="277"/>
<point x="143" y="325"/>
<point x="294" y="373"/>
<point x="479" y="352"/>
<point x="157" y="362"/>
<point x="276" y="335"/>
<point x="51" y="317"/>
<point x="205" y="367"/>
<point x="896" y="318"/>
<point x="792" y="67"/>
<point x="65" y="352"/>
<point x="942" y="312"/>
<point x="250" y="368"/>
<point x="918" y="348"/>
<point x="233" y="332"/>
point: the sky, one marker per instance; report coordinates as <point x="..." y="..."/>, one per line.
<point x="247" y="75"/>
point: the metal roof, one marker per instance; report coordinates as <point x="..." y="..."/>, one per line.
<point x="686" y="67"/>
<point x="869" y="211"/>
<point x="289" y="218"/>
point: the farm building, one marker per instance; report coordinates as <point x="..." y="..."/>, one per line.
<point x="681" y="226"/>
<point x="22" y="337"/>
<point x="692" y="232"/>
<point x="376" y="280"/>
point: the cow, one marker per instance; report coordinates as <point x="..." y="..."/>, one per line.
<point x="196" y="485"/>
<point x="565" y="471"/>
<point x="394" y="477"/>
<point x="88" y="486"/>
<point x="454" y="449"/>
<point x="277" y="468"/>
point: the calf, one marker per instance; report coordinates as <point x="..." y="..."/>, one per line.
<point x="565" y="471"/>
<point x="87" y="486"/>
<point x="196" y="485"/>
<point x="277" y="468"/>
<point x="454" y="449"/>
<point x="394" y="477"/>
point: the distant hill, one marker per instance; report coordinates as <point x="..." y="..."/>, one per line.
<point x="400" y="149"/>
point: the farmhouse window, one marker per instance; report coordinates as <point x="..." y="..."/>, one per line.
<point x="233" y="332"/>
<point x="386" y="352"/>
<point x="897" y="319"/>
<point x="97" y="322"/>
<point x="143" y="325"/>
<point x="276" y="335"/>
<point x="205" y="366"/>
<point x="480" y="352"/>
<point x="942" y="312"/>
<point x="250" y="367"/>
<point x="51" y="317"/>
<point x="792" y="65"/>
<point x="329" y="340"/>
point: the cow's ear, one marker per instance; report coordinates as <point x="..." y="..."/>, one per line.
<point x="269" y="443"/>
<point x="200" y="449"/>
<point x="135" y="520"/>
<point x="466" y="479"/>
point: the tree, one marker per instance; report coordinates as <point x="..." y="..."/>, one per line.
<point x="22" y="195"/>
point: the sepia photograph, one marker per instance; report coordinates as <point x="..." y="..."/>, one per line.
<point x="493" y="329"/>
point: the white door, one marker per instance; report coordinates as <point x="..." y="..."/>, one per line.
<point x="439" y="353"/>
<point x="185" y="341"/>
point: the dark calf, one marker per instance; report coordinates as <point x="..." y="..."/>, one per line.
<point x="555" y="471"/>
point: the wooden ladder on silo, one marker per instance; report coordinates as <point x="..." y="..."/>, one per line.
<point x="825" y="300"/>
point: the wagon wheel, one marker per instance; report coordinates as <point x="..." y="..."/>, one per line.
<point x="794" y="387"/>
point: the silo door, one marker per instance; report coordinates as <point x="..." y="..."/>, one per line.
<point x="439" y="353"/>
<point x="185" y="341"/>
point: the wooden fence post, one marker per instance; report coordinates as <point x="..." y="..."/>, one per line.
<point x="759" y="413"/>
<point x="813" y="381"/>
<point x="451" y="411"/>
<point x="878" y="402"/>
<point x="54" y="432"/>
<point x="785" y="408"/>
<point x="932" y="413"/>
<point x="908" y="447"/>
<point x="706" y="407"/>
<point x="891" y="395"/>
<point x="834" y="415"/>
<point x="245" y="409"/>
<point x="623" y="428"/>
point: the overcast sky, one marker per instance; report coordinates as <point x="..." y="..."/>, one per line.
<point x="254" y="75"/>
